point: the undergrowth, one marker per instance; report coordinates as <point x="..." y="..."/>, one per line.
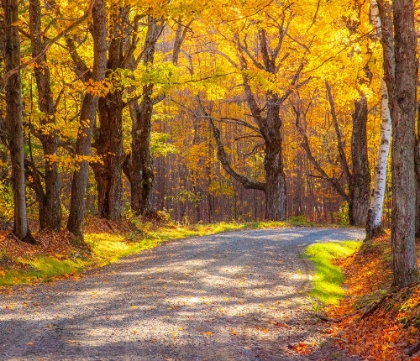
<point x="375" y="321"/>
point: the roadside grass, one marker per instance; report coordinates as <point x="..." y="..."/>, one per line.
<point x="103" y="247"/>
<point x="328" y="277"/>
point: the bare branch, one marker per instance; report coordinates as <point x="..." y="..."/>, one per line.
<point x="343" y="159"/>
<point x="222" y="156"/>
<point x="305" y="145"/>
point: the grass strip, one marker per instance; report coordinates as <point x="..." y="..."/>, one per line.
<point x="328" y="277"/>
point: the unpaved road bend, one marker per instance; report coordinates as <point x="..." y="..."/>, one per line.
<point x="238" y="296"/>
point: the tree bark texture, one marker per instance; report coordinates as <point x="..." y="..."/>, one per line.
<point x="275" y="178"/>
<point x="87" y="118"/>
<point x="379" y="184"/>
<point x="14" y="119"/>
<point x="108" y="174"/>
<point x="49" y="200"/>
<point x="109" y="134"/>
<point x="359" y="184"/>
<point x="381" y="19"/>
<point x="404" y="259"/>
<point x="141" y="161"/>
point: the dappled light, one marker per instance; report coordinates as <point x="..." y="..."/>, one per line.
<point x="236" y="296"/>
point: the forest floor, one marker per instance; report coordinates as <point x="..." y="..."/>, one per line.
<point x="376" y="322"/>
<point x="233" y="296"/>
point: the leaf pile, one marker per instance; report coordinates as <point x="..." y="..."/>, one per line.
<point x="375" y="322"/>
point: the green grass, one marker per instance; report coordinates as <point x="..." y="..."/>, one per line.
<point x="329" y="277"/>
<point x="106" y="248"/>
<point x="40" y="268"/>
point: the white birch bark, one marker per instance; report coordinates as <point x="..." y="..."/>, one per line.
<point x="379" y="180"/>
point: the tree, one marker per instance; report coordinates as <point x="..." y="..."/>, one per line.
<point x="380" y="17"/>
<point x="48" y="199"/>
<point x="109" y="134"/>
<point x="404" y="261"/>
<point x="357" y="173"/>
<point x="93" y="78"/>
<point x="14" y="117"/>
<point x="259" y="53"/>
<point x="139" y="166"/>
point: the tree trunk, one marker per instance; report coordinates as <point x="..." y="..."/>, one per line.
<point x="109" y="135"/>
<point x="141" y="161"/>
<point x="49" y="201"/>
<point x="374" y="224"/>
<point x="404" y="259"/>
<point x="14" y="118"/>
<point x="109" y="146"/>
<point x="381" y="20"/>
<point x="275" y="179"/>
<point x="359" y="184"/>
<point x="417" y="171"/>
<point x="275" y="195"/>
<point x="87" y="118"/>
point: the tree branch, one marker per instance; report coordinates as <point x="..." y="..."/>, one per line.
<point x="221" y="155"/>
<point x="343" y="159"/>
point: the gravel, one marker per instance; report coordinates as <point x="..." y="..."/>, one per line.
<point x="233" y="296"/>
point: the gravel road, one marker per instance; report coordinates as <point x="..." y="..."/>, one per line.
<point x="238" y="296"/>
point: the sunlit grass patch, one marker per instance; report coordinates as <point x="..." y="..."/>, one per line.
<point x="40" y="268"/>
<point x="328" y="277"/>
<point x="108" y="247"/>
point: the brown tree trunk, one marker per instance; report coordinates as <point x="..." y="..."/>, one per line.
<point x="404" y="259"/>
<point x="49" y="200"/>
<point x="275" y="178"/>
<point x="109" y="134"/>
<point x="141" y="161"/>
<point x="417" y="172"/>
<point x="14" y="118"/>
<point x="87" y="118"/>
<point x="359" y="184"/>
<point x="109" y="146"/>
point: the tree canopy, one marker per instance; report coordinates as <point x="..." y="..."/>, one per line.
<point x="209" y="111"/>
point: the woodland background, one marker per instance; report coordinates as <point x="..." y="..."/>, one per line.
<point x="194" y="47"/>
<point x="206" y="111"/>
<point x="113" y="114"/>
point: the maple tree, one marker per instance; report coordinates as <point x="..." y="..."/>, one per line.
<point x="48" y="199"/>
<point x="87" y="113"/>
<point x="14" y="118"/>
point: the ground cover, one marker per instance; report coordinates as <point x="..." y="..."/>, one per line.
<point x="373" y="320"/>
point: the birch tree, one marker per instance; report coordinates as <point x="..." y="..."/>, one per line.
<point x="382" y="32"/>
